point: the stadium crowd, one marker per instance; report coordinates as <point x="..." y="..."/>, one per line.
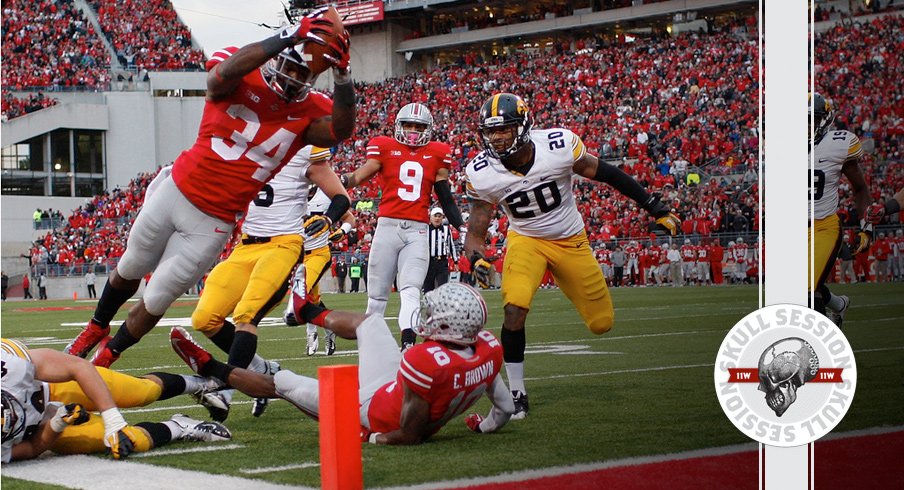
<point x="13" y="106"/>
<point x="48" y="44"/>
<point x="687" y="130"/>
<point x="147" y="35"/>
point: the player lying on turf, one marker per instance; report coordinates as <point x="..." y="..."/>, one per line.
<point x="48" y="397"/>
<point x="405" y="397"/>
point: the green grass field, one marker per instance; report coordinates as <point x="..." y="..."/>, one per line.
<point x="644" y="388"/>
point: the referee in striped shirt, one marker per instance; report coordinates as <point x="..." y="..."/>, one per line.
<point x="441" y="247"/>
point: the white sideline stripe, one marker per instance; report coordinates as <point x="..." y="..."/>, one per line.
<point x="92" y="473"/>
<point x="582" y="468"/>
<point x="187" y="450"/>
<point x="274" y="469"/>
<point x="619" y="371"/>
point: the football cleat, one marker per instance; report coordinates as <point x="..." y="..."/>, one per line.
<point x="837" y="317"/>
<point x="330" y="342"/>
<point x="521" y="405"/>
<point x="297" y="297"/>
<point x="408" y="339"/>
<point x="200" y="431"/>
<point x="259" y="405"/>
<point x="87" y="339"/>
<point x="313" y="343"/>
<point x="104" y="357"/>
<point x="215" y="403"/>
<point x="190" y="351"/>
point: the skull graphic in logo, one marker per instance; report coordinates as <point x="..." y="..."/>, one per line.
<point x="784" y="367"/>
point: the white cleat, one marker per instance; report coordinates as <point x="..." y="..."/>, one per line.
<point x="201" y="431"/>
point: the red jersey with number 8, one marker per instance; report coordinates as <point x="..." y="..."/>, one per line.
<point x="407" y="175"/>
<point x="244" y="140"/>
<point x="449" y="382"/>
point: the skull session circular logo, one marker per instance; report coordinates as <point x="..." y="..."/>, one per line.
<point x="785" y="375"/>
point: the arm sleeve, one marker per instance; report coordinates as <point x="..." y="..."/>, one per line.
<point x="622" y="182"/>
<point x="448" y="203"/>
<point x="503" y="407"/>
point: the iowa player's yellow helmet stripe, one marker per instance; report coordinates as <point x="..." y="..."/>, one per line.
<point x="495" y="111"/>
<point x="15" y="348"/>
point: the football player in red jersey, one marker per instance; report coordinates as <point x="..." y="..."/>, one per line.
<point x="260" y="110"/>
<point x="409" y="166"/>
<point x="404" y="397"/>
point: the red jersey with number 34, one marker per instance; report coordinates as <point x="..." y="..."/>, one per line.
<point x="449" y="382"/>
<point x="407" y="175"/>
<point x="244" y="140"/>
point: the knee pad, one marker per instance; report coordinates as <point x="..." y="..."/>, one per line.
<point x="207" y="322"/>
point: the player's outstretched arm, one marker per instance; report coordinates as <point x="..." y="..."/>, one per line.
<point x="481" y="214"/>
<point x="56" y="367"/>
<point x="446" y="200"/>
<point x="500" y="413"/>
<point x="323" y="176"/>
<point x="851" y="170"/>
<point x="361" y="174"/>
<point x="590" y="167"/>
<point x="35" y="445"/>
<point x="415" y="422"/>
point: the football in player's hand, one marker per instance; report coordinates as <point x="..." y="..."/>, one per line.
<point x="315" y="51"/>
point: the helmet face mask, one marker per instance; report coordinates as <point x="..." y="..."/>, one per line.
<point x="288" y="74"/>
<point x="504" y="125"/>
<point x="414" y="125"/>
<point x="453" y="312"/>
<point x="822" y="115"/>
<point x="13" y="417"/>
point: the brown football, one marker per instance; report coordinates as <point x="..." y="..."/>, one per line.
<point x="316" y="62"/>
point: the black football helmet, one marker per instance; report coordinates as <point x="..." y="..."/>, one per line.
<point x="505" y="110"/>
<point x="13" y="417"/>
<point x="823" y="116"/>
<point x="288" y="74"/>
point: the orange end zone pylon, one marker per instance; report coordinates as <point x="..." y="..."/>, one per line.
<point x="340" y="428"/>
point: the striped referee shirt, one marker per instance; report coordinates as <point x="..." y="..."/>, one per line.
<point x="441" y="244"/>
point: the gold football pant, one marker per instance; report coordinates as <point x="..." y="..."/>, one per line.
<point x="248" y="284"/>
<point x="128" y="391"/>
<point x="824" y="240"/>
<point x="573" y="267"/>
<point x="316" y="263"/>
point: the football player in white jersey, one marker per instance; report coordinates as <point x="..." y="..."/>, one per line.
<point x="317" y="260"/>
<point x="529" y="172"/>
<point x="48" y="400"/>
<point x="255" y="277"/>
<point x="834" y="153"/>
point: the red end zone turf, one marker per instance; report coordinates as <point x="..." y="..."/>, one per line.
<point x="865" y="461"/>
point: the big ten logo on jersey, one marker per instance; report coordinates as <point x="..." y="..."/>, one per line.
<point x="268" y="154"/>
<point x="411" y="176"/>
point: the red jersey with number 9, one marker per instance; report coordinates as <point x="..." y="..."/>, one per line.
<point x="244" y="140"/>
<point x="449" y="382"/>
<point x="407" y="175"/>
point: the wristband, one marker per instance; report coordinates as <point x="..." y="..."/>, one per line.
<point x="57" y="423"/>
<point x="113" y="421"/>
<point x="346" y="227"/>
<point x="892" y="206"/>
<point x="373" y="437"/>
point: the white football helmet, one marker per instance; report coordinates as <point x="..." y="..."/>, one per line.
<point x="13" y="417"/>
<point x="453" y="312"/>
<point x="416" y="114"/>
<point x="740" y="240"/>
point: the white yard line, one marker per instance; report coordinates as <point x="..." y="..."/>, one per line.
<point x="187" y="450"/>
<point x="274" y="469"/>
<point x="619" y="371"/>
<point x="92" y="473"/>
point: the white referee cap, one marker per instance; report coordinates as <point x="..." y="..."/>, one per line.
<point x="437" y="211"/>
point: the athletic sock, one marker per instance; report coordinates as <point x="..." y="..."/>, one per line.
<point x="224" y="337"/>
<point x="173" y="385"/>
<point x="111" y="300"/>
<point x="515" y="373"/>
<point x="217" y="369"/>
<point x="161" y="432"/>
<point x="243" y="348"/>
<point x="513" y="345"/>
<point x="835" y="303"/>
<point x="122" y="340"/>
